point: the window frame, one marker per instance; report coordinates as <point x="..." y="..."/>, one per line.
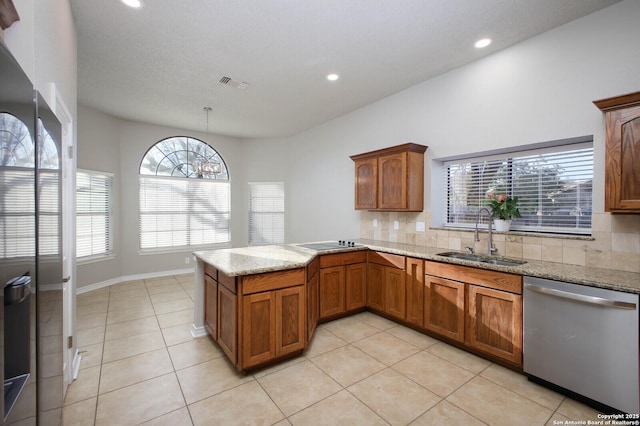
<point x="189" y="154"/>
<point x="442" y="195"/>
<point x="280" y="238"/>
<point x="108" y="232"/>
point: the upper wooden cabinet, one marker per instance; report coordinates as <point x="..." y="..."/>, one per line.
<point x="390" y="179"/>
<point x="622" y="153"/>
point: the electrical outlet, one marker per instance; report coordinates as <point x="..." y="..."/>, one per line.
<point x="187" y="260"/>
<point x="375" y="223"/>
<point x="420" y="227"/>
<point x="396" y="224"/>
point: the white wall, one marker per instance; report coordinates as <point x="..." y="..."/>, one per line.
<point x="536" y="91"/>
<point x="539" y="90"/>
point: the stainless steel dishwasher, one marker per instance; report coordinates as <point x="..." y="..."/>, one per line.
<point x="583" y="339"/>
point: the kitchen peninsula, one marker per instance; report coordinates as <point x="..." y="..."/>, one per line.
<point x="261" y="304"/>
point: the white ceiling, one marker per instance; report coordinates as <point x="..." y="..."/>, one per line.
<point x="161" y="63"/>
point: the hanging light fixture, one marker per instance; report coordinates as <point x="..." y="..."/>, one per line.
<point x="205" y="168"/>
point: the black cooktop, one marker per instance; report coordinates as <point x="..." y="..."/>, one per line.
<point x="330" y="245"/>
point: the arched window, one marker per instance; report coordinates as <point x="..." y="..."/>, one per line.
<point x="185" y="196"/>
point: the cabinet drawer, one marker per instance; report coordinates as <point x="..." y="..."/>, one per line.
<point x="211" y="271"/>
<point x="386" y="259"/>
<point x="227" y="281"/>
<point x="339" y="259"/>
<point x="272" y="280"/>
<point x="482" y="277"/>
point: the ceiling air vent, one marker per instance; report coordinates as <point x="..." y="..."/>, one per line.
<point x="228" y="81"/>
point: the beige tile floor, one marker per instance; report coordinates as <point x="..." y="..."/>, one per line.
<point x="141" y="366"/>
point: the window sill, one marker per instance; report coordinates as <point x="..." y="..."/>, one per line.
<point x="183" y="249"/>
<point x="94" y="259"/>
<point x="577" y="237"/>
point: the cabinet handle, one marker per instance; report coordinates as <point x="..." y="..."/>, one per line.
<point x="581" y="297"/>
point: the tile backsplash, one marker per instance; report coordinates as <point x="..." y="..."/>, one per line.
<point x="614" y="241"/>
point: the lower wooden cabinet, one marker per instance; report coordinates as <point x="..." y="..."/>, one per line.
<point x="290" y="320"/>
<point x="444" y="309"/>
<point x="332" y="291"/>
<point x="343" y="283"/>
<point x="273" y="325"/>
<point x="227" y="323"/>
<point x="313" y="302"/>
<point x="211" y="306"/>
<point x="386" y="288"/>
<point x="487" y="319"/>
<point x="375" y="286"/>
<point x="355" y="286"/>
<point x="495" y="323"/>
<point x="415" y="291"/>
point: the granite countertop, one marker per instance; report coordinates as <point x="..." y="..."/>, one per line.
<point x="259" y="259"/>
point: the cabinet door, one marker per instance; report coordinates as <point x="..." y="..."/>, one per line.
<point x="495" y="323"/>
<point x="227" y="323"/>
<point x="290" y="316"/>
<point x="392" y="182"/>
<point x="211" y="306"/>
<point x="375" y="286"/>
<point x="395" y="292"/>
<point x="622" y="174"/>
<point x="313" y="306"/>
<point x="366" y="184"/>
<point x="415" y="291"/>
<point x="332" y="288"/>
<point x="356" y="286"/>
<point x="258" y="328"/>
<point x="444" y="307"/>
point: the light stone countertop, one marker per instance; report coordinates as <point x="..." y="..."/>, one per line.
<point x="259" y="259"/>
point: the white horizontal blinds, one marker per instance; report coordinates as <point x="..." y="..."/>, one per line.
<point x="49" y="218"/>
<point x="554" y="188"/>
<point x="179" y="212"/>
<point x="17" y="212"/>
<point x="266" y="213"/>
<point x="93" y="214"/>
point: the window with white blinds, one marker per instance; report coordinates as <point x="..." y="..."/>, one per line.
<point x="93" y="214"/>
<point x="182" y="212"/>
<point x="553" y="186"/>
<point x="185" y="195"/>
<point x="266" y="213"/>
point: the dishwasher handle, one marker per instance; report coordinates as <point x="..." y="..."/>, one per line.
<point x="581" y="297"/>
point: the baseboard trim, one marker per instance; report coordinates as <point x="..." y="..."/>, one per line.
<point x="198" y="331"/>
<point x="118" y="280"/>
<point x="77" y="359"/>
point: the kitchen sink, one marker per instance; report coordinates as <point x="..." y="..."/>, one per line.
<point x="482" y="259"/>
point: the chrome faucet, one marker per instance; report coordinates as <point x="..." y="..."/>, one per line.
<point x="490" y="247"/>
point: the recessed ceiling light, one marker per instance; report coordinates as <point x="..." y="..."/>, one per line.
<point x="483" y="42"/>
<point x="132" y="3"/>
<point x="333" y="77"/>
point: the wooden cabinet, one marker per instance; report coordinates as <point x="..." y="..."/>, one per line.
<point x="332" y="291"/>
<point x="290" y="320"/>
<point x="375" y="286"/>
<point x="313" y="301"/>
<point x="495" y="323"/>
<point x="366" y="184"/>
<point x="487" y="320"/>
<point x="444" y="308"/>
<point x="386" y="283"/>
<point x="415" y="291"/>
<point x="355" y="286"/>
<point x="390" y="179"/>
<point x="258" y="328"/>
<point x="227" y="323"/>
<point x="622" y="153"/>
<point x="343" y="278"/>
